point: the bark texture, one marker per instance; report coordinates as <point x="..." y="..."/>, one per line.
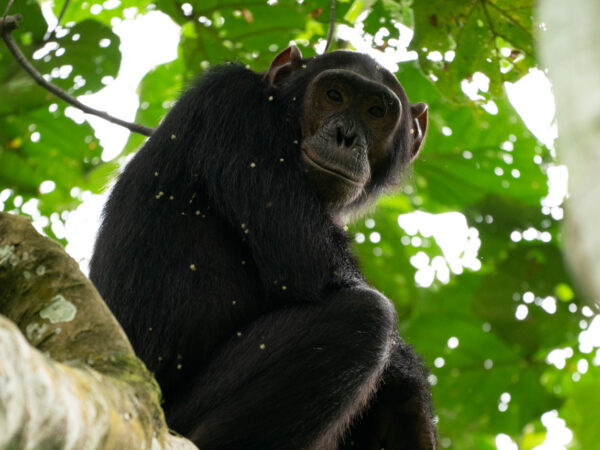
<point x="68" y="376"/>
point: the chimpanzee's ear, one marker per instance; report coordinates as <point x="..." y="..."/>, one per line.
<point x="418" y="127"/>
<point x="284" y="64"/>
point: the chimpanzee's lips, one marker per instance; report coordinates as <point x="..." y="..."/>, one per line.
<point x="309" y="156"/>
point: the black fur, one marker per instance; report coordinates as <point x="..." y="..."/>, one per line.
<point x="236" y="285"/>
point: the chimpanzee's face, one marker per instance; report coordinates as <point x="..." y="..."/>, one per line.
<point x="348" y="126"/>
<point x="358" y="128"/>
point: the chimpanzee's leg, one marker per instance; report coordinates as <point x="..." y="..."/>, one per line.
<point x="399" y="415"/>
<point x="293" y="379"/>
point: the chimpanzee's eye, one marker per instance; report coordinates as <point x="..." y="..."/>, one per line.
<point x="334" y="95"/>
<point x="376" y="111"/>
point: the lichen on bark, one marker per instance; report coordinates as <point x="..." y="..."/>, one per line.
<point x="68" y="375"/>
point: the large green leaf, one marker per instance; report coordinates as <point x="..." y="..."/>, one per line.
<point x="87" y="52"/>
<point x="91" y="49"/>
<point x="470" y="153"/>
<point x="476" y="31"/>
<point x="65" y="155"/>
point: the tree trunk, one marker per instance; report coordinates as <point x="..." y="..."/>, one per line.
<point x="570" y="47"/>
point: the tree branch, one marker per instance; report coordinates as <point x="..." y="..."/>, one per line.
<point x="70" y="378"/>
<point x="8" y="23"/>
<point x="8" y="6"/>
<point x="331" y="27"/>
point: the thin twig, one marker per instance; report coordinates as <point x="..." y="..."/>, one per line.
<point x="10" y="23"/>
<point x="331" y="27"/>
<point x="49" y="34"/>
<point x="8" y="6"/>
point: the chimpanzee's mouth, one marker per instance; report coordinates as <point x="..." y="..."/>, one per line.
<point x="312" y="159"/>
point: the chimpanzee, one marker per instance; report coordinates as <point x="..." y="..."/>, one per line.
<point x="223" y="254"/>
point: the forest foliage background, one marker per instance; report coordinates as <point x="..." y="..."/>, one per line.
<point x="513" y="348"/>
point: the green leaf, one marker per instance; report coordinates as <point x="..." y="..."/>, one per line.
<point x="103" y="12"/>
<point x="91" y="49"/>
<point x="578" y="409"/>
<point x="535" y="268"/>
<point x="42" y="153"/>
<point x="470" y="153"/>
<point x="478" y="33"/>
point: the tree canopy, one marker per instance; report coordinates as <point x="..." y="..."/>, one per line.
<point x="507" y="335"/>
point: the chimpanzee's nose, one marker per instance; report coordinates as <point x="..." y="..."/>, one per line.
<point x="345" y="138"/>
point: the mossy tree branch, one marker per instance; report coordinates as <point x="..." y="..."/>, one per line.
<point x="68" y="375"/>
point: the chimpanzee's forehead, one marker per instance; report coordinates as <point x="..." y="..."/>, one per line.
<point x="359" y="63"/>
